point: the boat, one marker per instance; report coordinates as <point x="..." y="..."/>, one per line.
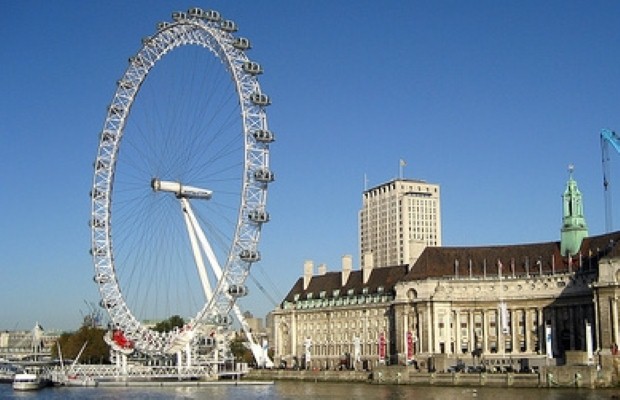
<point x="80" y="380"/>
<point x="7" y="372"/>
<point x="29" y="381"/>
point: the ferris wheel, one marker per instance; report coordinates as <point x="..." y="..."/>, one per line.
<point x="177" y="209"/>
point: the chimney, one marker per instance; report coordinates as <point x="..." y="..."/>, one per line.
<point x="368" y="266"/>
<point x="308" y="272"/>
<point x="347" y="266"/>
<point x="322" y="269"/>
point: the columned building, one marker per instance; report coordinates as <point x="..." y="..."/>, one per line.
<point x="507" y="307"/>
<point x="397" y="220"/>
<point x="343" y="319"/>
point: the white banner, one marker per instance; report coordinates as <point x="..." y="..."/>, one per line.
<point x="589" y="348"/>
<point x="548" y="341"/>
<point x="504" y="316"/>
<point x="308" y="347"/>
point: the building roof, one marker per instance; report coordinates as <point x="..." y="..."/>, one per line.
<point x="385" y="278"/>
<point x="517" y="260"/>
<point x="396" y="180"/>
<point x="448" y="262"/>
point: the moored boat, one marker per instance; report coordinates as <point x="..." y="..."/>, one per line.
<point x="29" y="381"/>
<point x="78" y="380"/>
<point x="7" y="374"/>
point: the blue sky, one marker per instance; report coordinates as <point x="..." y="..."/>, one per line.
<point x="490" y="99"/>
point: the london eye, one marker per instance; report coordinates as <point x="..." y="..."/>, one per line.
<point x="180" y="182"/>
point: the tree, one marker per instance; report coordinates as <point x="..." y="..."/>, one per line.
<point x="95" y="352"/>
<point x="240" y="350"/>
<point x="169" y="324"/>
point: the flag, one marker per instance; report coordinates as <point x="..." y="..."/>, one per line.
<point x="504" y="316"/>
<point x="403" y="162"/>
<point x="589" y="348"/>
<point x="409" y="346"/>
<point x="357" y="343"/>
<point x="548" y="344"/>
<point x="382" y="344"/>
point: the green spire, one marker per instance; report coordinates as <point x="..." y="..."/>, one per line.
<point x="574" y="227"/>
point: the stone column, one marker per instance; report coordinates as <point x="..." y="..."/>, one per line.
<point x="514" y="331"/>
<point x="421" y="343"/>
<point x="527" y="331"/>
<point x="458" y="332"/>
<point x="471" y="341"/>
<point x="429" y="328"/>
<point x="501" y="342"/>
<point x="614" y="319"/>
<point x="540" y="328"/>
<point x="596" y="321"/>
<point x="293" y="333"/>
<point x="485" y="331"/>
<point x="404" y="334"/>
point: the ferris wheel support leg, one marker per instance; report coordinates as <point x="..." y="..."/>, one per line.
<point x="200" y="265"/>
<point x="206" y="247"/>
<point x="118" y="362"/>
<point x="188" y="355"/>
<point x="123" y="357"/>
<point x="180" y="365"/>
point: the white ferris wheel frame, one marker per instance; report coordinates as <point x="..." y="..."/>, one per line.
<point x="209" y="30"/>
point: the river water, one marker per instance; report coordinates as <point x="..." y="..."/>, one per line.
<point x="287" y="390"/>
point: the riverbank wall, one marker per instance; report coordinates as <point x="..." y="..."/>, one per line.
<point x="573" y="376"/>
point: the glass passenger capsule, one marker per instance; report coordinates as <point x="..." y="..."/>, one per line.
<point x="228" y="26"/>
<point x="264" y="175"/>
<point x="252" y="68"/>
<point x="263" y="136"/>
<point x="212" y="15"/>
<point x="260" y="99"/>
<point x="249" y="255"/>
<point x="241" y="43"/>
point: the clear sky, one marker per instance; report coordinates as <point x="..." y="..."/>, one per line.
<point x="490" y="99"/>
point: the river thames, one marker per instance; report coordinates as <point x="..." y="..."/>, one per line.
<point x="288" y="390"/>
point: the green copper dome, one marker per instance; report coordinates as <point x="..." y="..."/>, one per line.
<point x="574" y="227"/>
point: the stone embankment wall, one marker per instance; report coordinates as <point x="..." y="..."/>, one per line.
<point x="309" y="375"/>
<point x="576" y="376"/>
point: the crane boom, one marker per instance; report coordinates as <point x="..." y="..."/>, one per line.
<point x="608" y="137"/>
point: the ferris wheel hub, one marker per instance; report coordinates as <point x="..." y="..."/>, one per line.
<point x="180" y="190"/>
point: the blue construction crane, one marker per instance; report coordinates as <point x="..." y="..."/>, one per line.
<point x="608" y="137"/>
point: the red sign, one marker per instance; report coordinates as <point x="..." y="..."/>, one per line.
<point x="382" y="346"/>
<point x="409" y="345"/>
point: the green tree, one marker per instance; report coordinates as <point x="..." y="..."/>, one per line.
<point x="95" y="352"/>
<point x="169" y="324"/>
<point x="240" y="350"/>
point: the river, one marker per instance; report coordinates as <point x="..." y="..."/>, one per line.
<point x="289" y="390"/>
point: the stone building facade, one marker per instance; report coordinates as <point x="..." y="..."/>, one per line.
<point x="512" y="306"/>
